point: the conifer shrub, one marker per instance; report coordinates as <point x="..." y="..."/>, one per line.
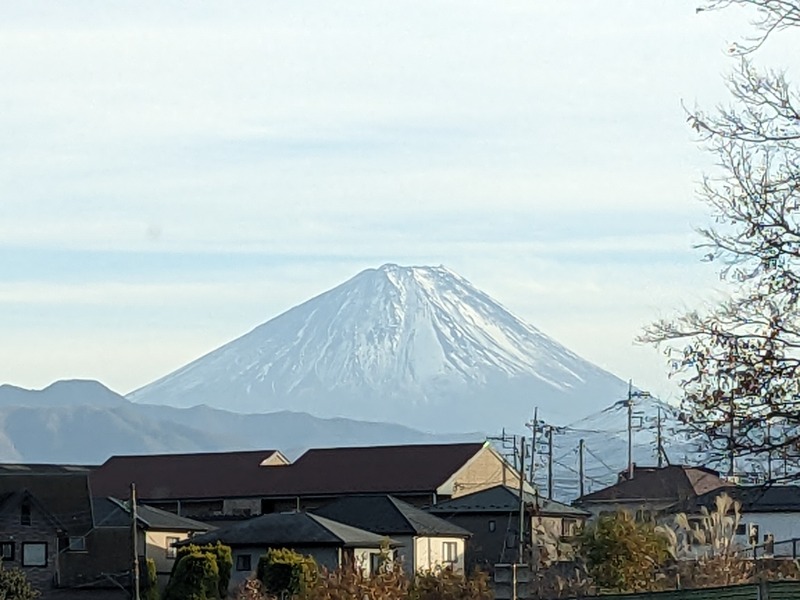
<point x="223" y="556"/>
<point x="151" y="580"/>
<point x="282" y="570"/>
<point x="195" y="576"/>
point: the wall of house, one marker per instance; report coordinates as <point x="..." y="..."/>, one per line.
<point x="156" y="547"/>
<point x="487" y="469"/>
<point x="242" y="507"/>
<point x="429" y="553"/>
<point x="108" y="554"/>
<point x="363" y="558"/>
<point x="489" y="544"/>
<point x="324" y="556"/>
<point x="40" y="530"/>
<point x="783" y="525"/>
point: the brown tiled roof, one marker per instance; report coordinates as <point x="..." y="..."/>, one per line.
<point x="407" y="469"/>
<point x="404" y="469"/>
<point x="184" y="476"/>
<point x="674" y="483"/>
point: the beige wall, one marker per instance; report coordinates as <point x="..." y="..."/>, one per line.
<point x="429" y="553"/>
<point x="156" y="548"/>
<point x="486" y="469"/>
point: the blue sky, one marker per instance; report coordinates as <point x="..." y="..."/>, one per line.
<point x="173" y="174"/>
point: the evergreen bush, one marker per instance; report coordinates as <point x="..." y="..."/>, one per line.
<point x="195" y="576"/>
<point x="282" y="570"/>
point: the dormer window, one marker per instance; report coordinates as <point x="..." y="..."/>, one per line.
<point x="25" y="513"/>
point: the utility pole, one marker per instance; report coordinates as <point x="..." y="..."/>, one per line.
<point x="581" y="448"/>
<point x="534" y="428"/>
<point x="521" y="538"/>
<point x="135" y="536"/>
<point x="769" y="451"/>
<point x="732" y="440"/>
<point x="659" y="446"/>
<point x="549" y="462"/>
<point x="630" y="429"/>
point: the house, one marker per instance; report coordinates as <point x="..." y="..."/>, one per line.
<point x="653" y="491"/>
<point x="45" y="522"/>
<point x="329" y="543"/>
<point x="201" y="485"/>
<point x="61" y="538"/>
<point x="766" y="513"/>
<point x="225" y="485"/>
<point x="492" y="517"/>
<point x="158" y="532"/>
<point x="427" y="542"/>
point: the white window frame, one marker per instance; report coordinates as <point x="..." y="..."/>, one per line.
<point x="450" y="552"/>
<point x="172" y="551"/>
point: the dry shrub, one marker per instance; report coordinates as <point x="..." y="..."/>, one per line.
<point x="350" y="583"/>
<point x="446" y="584"/>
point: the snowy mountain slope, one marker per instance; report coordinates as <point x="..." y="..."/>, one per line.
<point x="419" y="346"/>
<point x="85" y="422"/>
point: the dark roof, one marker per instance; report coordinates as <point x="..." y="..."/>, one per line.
<point x="110" y="512"/>
<point x="42" y="469"/>
<point x="387" y="515"/>
<point x="674" y="483"/>
<point x="185" y="476"/>
<point x="776" y="498"/>
<point x="502" y="499"/>
<point x="63" y="496"/>
<point x="407" y="469"/>
<point x="292" y="529"/>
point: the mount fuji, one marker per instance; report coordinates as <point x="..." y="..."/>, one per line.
<point x="418" y="346"/>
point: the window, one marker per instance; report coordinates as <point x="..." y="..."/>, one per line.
<point x="6" y="550"/>
<point x="34" y="554"/>
<point x="171" y="550"/>
<point x="449" y="552"/>
<point x="568" y="527"/>
<point x="741" y="529"/>
<point x="77" y="544"/>
<point x="243" y="562"/>
<point x="25" y="513"/>
<point x="376" y="561"/>
<point x="492" y="525"/>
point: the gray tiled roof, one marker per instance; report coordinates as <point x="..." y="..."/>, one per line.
<point x="293" y="529"/>
<point x="110" y="512"/>
<point x="503" y="499"/>
<point x="388" y="515"/>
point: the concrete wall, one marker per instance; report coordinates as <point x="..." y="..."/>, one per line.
<point x="429" y="553"/>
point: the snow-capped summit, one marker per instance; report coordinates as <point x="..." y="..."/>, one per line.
<point x="414" y="345"/>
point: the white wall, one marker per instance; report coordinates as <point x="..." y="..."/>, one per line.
<point x="429" y="553"/>
<point x="784" y="526"/>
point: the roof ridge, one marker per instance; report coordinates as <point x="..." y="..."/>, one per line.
<point x="394" y="501"/>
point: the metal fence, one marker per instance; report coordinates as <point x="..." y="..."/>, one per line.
<point x="779" y="590"/>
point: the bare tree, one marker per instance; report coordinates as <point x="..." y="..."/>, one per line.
<point x="738" y="363"/>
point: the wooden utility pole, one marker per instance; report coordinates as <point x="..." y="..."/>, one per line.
<point x="581" y="448"/>
<point x="135" y="536"/>
<point x="521" y="537"/>
<point x="769" y="451"/>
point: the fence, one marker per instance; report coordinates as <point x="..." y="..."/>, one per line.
<point x="779" y="590"/>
